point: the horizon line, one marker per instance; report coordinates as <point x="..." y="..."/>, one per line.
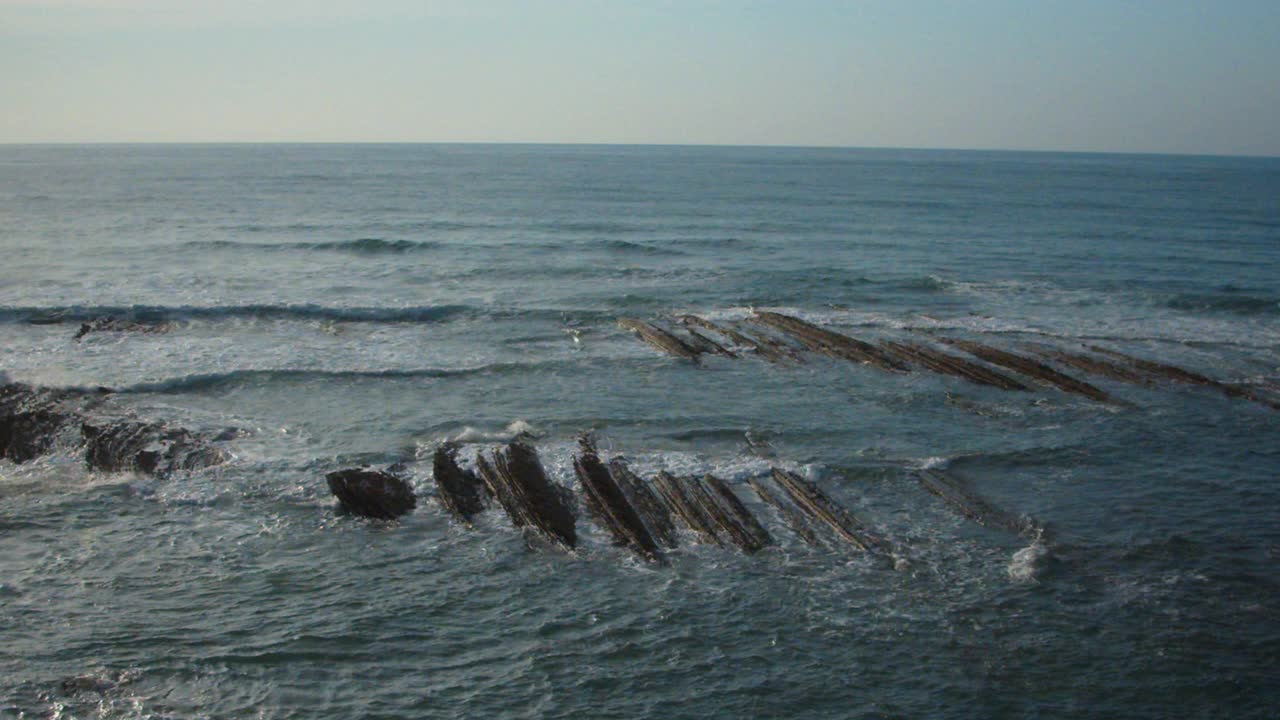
<point x="544" y="143"/>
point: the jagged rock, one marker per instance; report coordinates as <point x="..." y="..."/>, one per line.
<point x="660" y="339"/>
<point x="152" y="448"/>
<point x="1033" y="369"/>
<point x="372" y="493"/>
<point x="655" y="515"/>
<point x="941" y="362"/>
<point x="26" y="436"/>
<point x="828" y="342"/>
<point x="110" y="323"/>
<point x="459" y="490"/>
<point x="681" y="504"/>
<point x="30" y="418"/>
<point x="822" y="509"/>
<point x="772" y="353"/>
<point x="611" y="505"/>
<point x="739" y="514"/>
<point x="957" y="494"/>
<point x="730" y="518"/>
<point x="516" y="478"/>
<point x="792" y="517"/>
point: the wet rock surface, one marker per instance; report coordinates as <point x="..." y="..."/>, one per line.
<point x="32" y="419"/>
<point x="372" y="493"/>
<point x="111" y="323"/>
<point x="152" y="448"/>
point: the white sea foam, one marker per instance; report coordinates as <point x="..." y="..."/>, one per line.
<point x="1030" y="562"/>
<point x="931" y="463"/>
<point x="513" y="429"/>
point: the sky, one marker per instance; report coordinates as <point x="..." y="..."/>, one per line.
<point x="1163" y="76"/>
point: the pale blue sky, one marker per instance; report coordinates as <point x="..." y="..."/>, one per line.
<point x="1156" y="76"/>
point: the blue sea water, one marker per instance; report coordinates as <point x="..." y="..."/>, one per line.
<point x="342" y="305"/>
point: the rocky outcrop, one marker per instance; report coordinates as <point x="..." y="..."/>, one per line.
<point x="27" y="435"/>
<point x="459" y="490"/>
<point x="372" y="493"/>
<point x="962" y="499"/>
<point x="828" y="342"/>
<point x="790" y="515"/>
<point x="33" y="418"/>
<point x="1033" y="369"/>
<point x="1181" y="375"/>
<point x="110" y="323"/>
<point x="941" y="362"/>
<point x="610" y="504"/>
<point x="148" y="447"/>
<point x="821" y="508"/>
<point x="655" y="515"/>
<point x="660" y="339"/>
<point x="516" y="478"/>
<point x="771" y="351"/>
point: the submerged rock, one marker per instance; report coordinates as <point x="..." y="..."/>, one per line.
<point x="372" y="493"/>
<point x="110" y="323"/>
<point x="26" y="436"/>
<point x="152" y="448"/>
<point x="30" y="419"/>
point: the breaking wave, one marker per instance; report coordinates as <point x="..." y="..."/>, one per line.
<point x="1227" y="300"/>
<point x="204" y="382"/>
<point x="359" y="246"/>
<point x="163" y="313"/>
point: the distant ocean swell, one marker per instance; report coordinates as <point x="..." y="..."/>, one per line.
<point x="163" y="313"/>
<point x="1225" y="301"/>
<point x="212" y="382"/>
<point x="359" y="246"/>
<point x="72" y="314"/>
<point x="375" y="246"/>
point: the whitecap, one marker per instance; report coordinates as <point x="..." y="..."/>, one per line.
<point x="1029" y="563"/>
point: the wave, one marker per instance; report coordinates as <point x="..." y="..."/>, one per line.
<point x="635" y="248"/>
<point x="205" y="382"/>
<point x="714" y="243"/>
<point x="406" y="226"/>
<point x="614" y="246"/>
<point x="359" y="246"/>
<point x="1228" y="300"/>
<point x="589" y="226"/>
<point x="926" y="283"/>
<point x="384" y="246"/>
<point x="165" y="313"/>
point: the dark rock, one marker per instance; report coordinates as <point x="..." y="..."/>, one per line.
<point x="829" y="342"/>
<point x="656" y="515"/>
<point x="111" y="323"/>
<point x="823" y="510"/>
<point x="790" y="515"/>
<point x="727" y="523"/>
<point x="516" y="478"/>
<point x="611" y="505"/>
<point x="682" y="505"/>
<point x="660" y="339"/>
<point x="459" y="490"/>
<point x="1032" y="368"/>
<point x="30" y="418"/>
<point x="152" y="448"/>
<point x="26" y="436"/>
<point x="372" y="493"/>
<point x="741" y="516"/>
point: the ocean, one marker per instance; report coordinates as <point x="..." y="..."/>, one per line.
<point x="333" y="306"/>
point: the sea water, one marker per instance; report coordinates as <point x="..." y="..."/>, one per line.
<point x="344" y="305"/>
